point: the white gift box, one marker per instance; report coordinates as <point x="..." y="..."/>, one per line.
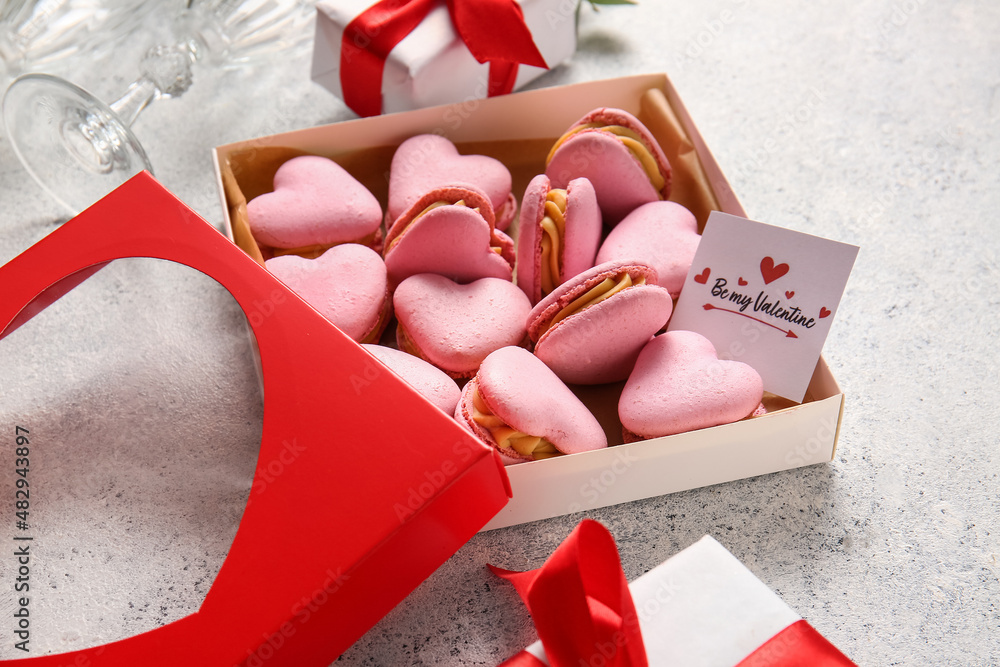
<point x="703" y="608"/>
<point x="431" y="65"/>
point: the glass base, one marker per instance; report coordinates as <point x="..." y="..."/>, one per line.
<point x="72" y="144"/>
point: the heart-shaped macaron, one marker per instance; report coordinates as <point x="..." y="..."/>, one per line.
<point x="347" y="284"/>
<point x="429" y="161"/>
<point x="431" y="382"/>
<point x="559" y="231"/>
<point x="662" y="234"/>
<point x="448" y="231"/>
<point x="315" y="202"/>
<point x="590" y="329"/>
<point x="456" y="326"/>
<point x="679" y="384"/>
<point x="517" y="404"/>
<point x="618" y="155"/>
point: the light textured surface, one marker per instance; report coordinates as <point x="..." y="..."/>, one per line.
<point x="874" y="123"/>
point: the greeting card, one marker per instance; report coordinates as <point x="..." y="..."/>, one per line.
<point x="766" y="296"/>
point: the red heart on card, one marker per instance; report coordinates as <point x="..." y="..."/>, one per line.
<point x="680" y="384"/>
<point x="702" y="277"/>
<point x="456" y="326"/>
<point x="315" y="202"/>
<point x="742" y="282"/>
<point x="789" y="294"/>
<point x="770" y="272"/>
<point x="429" y="161"/>
<point x="823" y="312"/>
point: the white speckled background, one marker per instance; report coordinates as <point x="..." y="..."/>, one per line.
<point x="876" y="123"/>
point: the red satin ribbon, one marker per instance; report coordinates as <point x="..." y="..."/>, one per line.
<point x="493" y="30"/>
<point x="581" y="604"/>
<point x="584" y="613"/>
<point x="798" y="645"/>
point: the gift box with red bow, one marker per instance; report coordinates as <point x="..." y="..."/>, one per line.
<point x="700" y="608"/>
<point x="398" y="55"/>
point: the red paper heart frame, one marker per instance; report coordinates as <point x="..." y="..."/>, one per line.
<point x="309" y="570"/>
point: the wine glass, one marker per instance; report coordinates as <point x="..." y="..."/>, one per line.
<point x="47" y="33"/>
<point x="77" y="148"/>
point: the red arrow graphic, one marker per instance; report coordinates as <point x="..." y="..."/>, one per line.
<point x="788" y="334"/>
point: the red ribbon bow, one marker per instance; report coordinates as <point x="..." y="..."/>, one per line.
<point x="493" y="30"/>
<point x="581" y="603"/>
<point x="584" y="613"/>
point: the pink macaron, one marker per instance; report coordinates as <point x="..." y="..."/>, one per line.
<point x="679" y="384"/>
<point x="429" y="161"/>
<point x="430" y="381"/>
<point x="347" y="284"/>
<point x="559" y="231"/>
<point x="448" y="231"/>
<point x="315" y="204"/>
<point x="516" y="404"/>
<point x="591" y="328"/>
<point x="662" y="234"/>
<point x="619" y="156"/>
<point x="456" y="326"/>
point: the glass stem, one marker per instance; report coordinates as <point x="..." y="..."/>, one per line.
<point x="140" y="92"/>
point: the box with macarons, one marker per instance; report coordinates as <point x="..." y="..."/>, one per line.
<point x="613" y="184"/>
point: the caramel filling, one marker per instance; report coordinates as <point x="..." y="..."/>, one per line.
<point x="605" y="289"/>
<point x="632" y="141"/>
<point x="317" y="249"/>
<point x="553" y="230"/>
<point x="532" y="446"/>
<point x="438" y="204"/>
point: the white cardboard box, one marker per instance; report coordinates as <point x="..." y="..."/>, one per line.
<point x="519" y="129"/>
